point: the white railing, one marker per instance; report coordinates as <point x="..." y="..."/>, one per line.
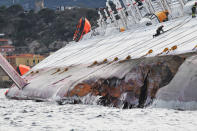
<point x="10" y="71"/>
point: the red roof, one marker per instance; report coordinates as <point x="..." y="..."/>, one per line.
<point x="3" y="40"/>
<point x="22" y="55"/>
<point x="6" y="46"/>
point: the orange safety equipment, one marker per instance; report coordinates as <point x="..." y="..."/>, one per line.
<point x="6" y="92"/>
<point x="22" y="69"/>
<point x="162" y="16"/>
<point x="83" y="27"/>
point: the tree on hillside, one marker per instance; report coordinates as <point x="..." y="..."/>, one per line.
<point x="15" y="9"/>
<point x="47" y="14"/>
<point x="44" y="27"/>
<point x="2" y="8"/>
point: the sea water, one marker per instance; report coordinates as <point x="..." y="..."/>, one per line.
<point x="23" y="115"/>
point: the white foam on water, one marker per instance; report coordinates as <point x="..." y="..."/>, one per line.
<point x="33" y="116"/>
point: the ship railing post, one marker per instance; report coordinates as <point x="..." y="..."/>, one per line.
<point x="11" y="72"/>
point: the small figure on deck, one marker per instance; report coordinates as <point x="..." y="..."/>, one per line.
<point x="159" y="31"/>
<point x="194" y="10"/>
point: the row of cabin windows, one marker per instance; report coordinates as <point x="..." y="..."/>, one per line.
<point x="7" y="50"/>
<point x="33" y="61"/>
<point x="11" y="61"/>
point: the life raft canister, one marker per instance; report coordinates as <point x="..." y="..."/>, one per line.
<point x="22" y="69"/>
<point x="83" y="27"/>
<point x="162" y="16"/>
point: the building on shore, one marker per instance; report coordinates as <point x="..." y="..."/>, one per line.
<point x="63" y="8"/>
<point x="15" y="61"/>
<point x="5" y="47"/>
<point x="39" y="5"/>
<point x="4" y="41"/>
<point x="5" y="81"/>
<point x="2" y="35"/>
<point x="25" y="59"/>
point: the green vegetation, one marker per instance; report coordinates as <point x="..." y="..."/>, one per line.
<point x="44" y="27"/>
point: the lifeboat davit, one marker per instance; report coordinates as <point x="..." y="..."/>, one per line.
<point x="83" y="27"/>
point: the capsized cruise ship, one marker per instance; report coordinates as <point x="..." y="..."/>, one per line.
<point x="120" y="63"/>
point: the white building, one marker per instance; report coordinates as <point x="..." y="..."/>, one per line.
<point x="39" y="4"/>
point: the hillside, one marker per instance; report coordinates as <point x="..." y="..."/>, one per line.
<point x="44" y="31"/>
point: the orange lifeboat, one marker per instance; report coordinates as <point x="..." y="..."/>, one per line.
<point x="162" y="16"/>
<point x="83" y="27"/>
<point x="22" y="69"/>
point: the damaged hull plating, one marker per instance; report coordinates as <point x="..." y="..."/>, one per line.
<point x="131" y="83"/>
